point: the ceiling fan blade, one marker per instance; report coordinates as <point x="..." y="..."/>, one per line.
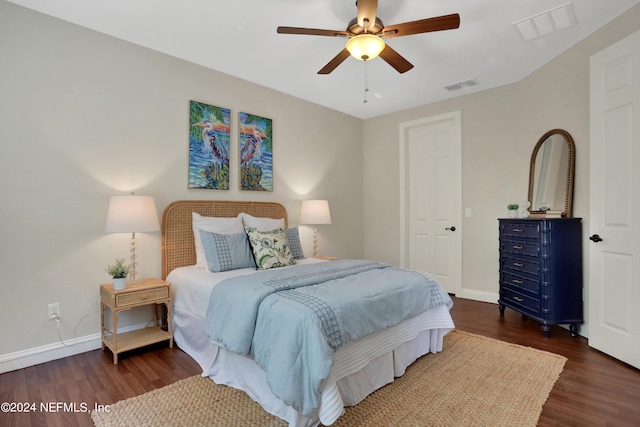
<point x="440" y="23"/>
<point x="339" y="59"/>
<point x="396" y="60"/>
<point x="312" y="32"/>
<point x="367" y="10"/>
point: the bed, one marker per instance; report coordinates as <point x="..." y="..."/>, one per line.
<point x="358" y="367"/>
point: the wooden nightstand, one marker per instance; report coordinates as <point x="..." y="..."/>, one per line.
<point x="147" y="291"/>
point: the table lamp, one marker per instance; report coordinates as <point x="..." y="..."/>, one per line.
<point x="315" y="212"/>
<point x="132" y="214"/>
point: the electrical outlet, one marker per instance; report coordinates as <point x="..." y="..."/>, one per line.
<point x="53" y="310"/>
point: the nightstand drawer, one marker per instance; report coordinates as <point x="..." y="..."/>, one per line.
<point x="143" y="296"/>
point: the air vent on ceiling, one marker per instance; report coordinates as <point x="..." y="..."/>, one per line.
<point x="544" y="23"/>
<point x="461" y="85"/>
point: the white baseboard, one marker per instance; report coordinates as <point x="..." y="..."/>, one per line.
<point x="478" y="295"/>
<point x="46" y="353"/>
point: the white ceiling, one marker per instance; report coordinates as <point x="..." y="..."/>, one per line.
<point x="238" y="37"/>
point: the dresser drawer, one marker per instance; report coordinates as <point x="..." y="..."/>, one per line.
<point x="521" y="265"/>
<point x="519" y="247"/>
<point x="524" y="283"/>
<point x="142" y="296"/>
<point x="523" y="302"/>
<point x="527" y="230"/>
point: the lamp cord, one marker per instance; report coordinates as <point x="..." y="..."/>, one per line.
<point x="75" y="336"/>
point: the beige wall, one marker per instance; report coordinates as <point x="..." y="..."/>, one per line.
<point x="500" y="127"/>
<point x="84" y="116"/>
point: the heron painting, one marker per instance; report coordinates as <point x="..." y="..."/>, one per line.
<point x="256" y="153"/>
<point x="208" y="146"/>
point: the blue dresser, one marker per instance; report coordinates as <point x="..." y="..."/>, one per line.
<point x="541" y="270"/>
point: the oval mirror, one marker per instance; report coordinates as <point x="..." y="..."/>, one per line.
<point x="551" y="173"/>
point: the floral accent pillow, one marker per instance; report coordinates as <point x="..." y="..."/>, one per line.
<point x="270" y="248"/>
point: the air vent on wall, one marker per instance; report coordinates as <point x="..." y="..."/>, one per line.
<point x="461" y="85"/>
<point x="544" y="23"/>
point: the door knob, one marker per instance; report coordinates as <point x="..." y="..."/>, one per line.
<point x="595" y="238"/>
<point x="452" y="228"/>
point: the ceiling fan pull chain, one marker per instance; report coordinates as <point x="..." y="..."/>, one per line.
<point x="366" y="83"/>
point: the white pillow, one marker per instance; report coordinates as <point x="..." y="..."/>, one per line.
<point x="213" y="225"/>
<point x="262" y="224"/>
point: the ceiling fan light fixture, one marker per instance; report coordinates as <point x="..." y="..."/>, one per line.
<point x="365" y="47"/>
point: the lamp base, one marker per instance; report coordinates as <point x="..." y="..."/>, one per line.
<point x="315" y="242"/>
<point x="133" y="274"/>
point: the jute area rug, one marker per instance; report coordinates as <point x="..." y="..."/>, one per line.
<point x="474" y="381"/>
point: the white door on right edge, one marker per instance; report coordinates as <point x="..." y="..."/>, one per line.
<point x="614" y="272"/>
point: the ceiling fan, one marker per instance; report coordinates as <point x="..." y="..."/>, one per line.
<point x="365" y="35"/>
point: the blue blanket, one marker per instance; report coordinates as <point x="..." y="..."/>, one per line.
<point x="291" y="320"/>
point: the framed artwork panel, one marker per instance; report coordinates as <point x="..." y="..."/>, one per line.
<point x="209" y="140"/>
<point x="256" y="152"/>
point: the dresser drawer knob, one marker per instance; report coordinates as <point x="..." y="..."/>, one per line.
<point x="516" y="247"/>
<point x="518" y="299"/>
<point x="517" y="230"/>
<point x="519" y="282"/>
<point x="144" y="296"/>
<point x="517" y="264"/>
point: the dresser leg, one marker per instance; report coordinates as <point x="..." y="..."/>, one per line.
<point x="546" y="331"/>
<point x="501" y="307"/>
<point x="573" y="328"/>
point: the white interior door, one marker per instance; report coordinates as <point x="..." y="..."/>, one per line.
<point x="614" y="272"/>
<point x="431" y="197"/>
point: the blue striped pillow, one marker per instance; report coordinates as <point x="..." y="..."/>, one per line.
<point x="294" y="242"/>
<point x="225" y="252"/>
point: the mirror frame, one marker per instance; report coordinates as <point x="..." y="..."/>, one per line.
<point x="568" y="201"/>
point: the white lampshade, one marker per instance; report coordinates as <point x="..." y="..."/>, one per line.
<point x="365" y="47"/>
<point x="315" y="212"/>
<point x="132" y="214"/>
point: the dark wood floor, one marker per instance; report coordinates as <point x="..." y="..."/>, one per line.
<point x="593" y="389"/>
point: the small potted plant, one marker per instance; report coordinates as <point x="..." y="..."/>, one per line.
<point x="513" y="210"/>
<point x="119" y="271"/>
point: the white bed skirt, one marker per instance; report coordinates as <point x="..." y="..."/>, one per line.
<point x="359" y="368"/>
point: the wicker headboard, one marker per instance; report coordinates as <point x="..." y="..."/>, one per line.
<point x="178" y="247"/>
